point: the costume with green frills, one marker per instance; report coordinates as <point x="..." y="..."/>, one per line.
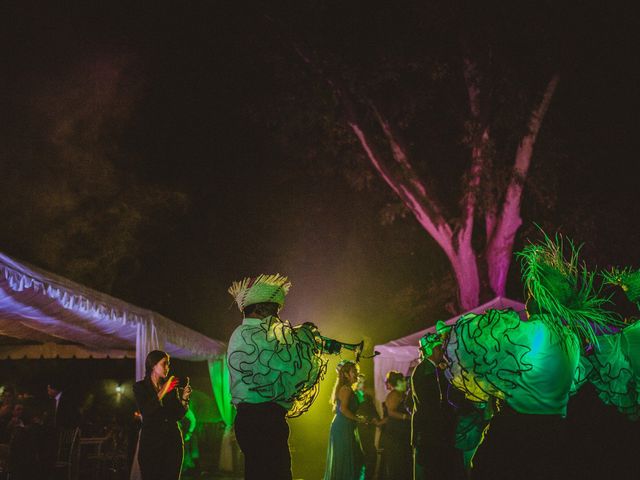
<point x="529" y="365"/>
<point x="613" y="367"/>
<point x="269" y="359"/>
<point x="274" y="370"/>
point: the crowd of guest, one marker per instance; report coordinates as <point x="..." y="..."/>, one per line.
<point x="358" y="433"/>
<point x="32" y="425"/>
<point x="414" y="438"/>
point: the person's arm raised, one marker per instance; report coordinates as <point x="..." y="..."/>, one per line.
<point x="169" y="385"/>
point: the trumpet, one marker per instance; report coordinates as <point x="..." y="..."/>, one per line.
<point x="334" y="346"/>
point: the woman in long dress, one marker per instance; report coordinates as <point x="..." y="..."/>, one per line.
<point x="345" y="460"/>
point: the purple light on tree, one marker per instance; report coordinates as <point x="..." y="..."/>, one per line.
<point x="455" y="237"/>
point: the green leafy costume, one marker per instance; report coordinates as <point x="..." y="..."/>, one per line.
<point x="613" y="367"/>
<point x="531" y="364"/>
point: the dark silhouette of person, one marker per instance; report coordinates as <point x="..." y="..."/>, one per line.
<point x="162" y="407"/>
<point x="367" y="430"/>
<point x="64" y="412"/>
<point x="395" y="437"/>
<point x="433" y="422"/>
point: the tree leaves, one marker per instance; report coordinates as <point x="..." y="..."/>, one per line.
<point x="72" y="204"/>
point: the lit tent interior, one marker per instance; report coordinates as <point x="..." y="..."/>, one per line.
<point x="43" y="315"/>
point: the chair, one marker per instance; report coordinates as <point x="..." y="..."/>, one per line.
<point x="92" y="457"/>
<point x="67" y="458"/>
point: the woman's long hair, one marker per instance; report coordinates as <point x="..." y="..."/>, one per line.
<point x="343" y="370"/>
<point x="392" y="379"/>
<point x="152" y="359"/>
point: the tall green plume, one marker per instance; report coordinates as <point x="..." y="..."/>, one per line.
<point x="563" y="288"/>
<point x="626" y="278"/>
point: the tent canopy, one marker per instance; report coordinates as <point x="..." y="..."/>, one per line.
<point x="402" y="354"/>
<point x="51" y="316"/>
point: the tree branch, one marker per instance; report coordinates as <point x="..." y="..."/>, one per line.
<point x="513" y="197"/>
<point x="439" y="230"/>
<point x="479" y="145"/>
<point x="500" y="244"/>
<point x="472" y="80"/>
<point x="407" y="185"/>
<point x="407" y="170"/>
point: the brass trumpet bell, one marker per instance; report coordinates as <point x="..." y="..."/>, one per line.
<point x="334" y="346"/>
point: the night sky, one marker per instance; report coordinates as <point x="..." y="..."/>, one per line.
<point x="102" y="101"/>
<point x="155" y="134"/>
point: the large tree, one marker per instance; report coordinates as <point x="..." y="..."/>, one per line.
<point x="489" y="81"/>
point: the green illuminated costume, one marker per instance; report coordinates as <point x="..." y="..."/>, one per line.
<point x="269" y="359"/>
<point x="529" y="365"/>
<point x="274" y="370"/>
<point x="613" y="367"/>
<point x="272" y="361"/>
<point x="495" y="354"/>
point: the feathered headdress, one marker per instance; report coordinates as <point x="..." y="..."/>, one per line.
<point x="628" y="279"/>
<point x="260" y="289"/>
<point x="563" y="289"/>
<point x="431" y="340"/>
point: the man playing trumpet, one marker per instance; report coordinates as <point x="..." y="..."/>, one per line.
<point x="275" y="370"/>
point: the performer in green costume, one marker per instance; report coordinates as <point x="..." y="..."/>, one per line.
<point x="275" y="370"/>
<point x="613" y="365"/>
<point x="529" y="366"/>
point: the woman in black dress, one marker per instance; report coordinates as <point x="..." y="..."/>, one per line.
<point x="396" y="433"/>
<point x="161" y="448"/>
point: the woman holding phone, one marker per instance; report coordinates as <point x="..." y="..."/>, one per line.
<point x="162" y="405"/>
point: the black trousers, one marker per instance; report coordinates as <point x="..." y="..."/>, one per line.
<point x="263" y="435"/>
<point x="160" y="454"/>
<point x="438" y="461"/>
<point x="523" y="447"/>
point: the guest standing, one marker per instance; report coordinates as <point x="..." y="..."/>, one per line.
<point x="64" y="413"/>
<point x="397" y="429"/>
<point x="344" y="457"/>
<point x="434" y="420"/>
<point x="161" y="448"/>
<point x="367" y="430"/>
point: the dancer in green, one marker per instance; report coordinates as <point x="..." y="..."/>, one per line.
<point x="613" y="365"/>
<point x="275" y="371"/>
<point x="529" y="366"/>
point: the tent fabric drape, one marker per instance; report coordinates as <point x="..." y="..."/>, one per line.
<point x="402" y="354"/>
<point x="43" y="307"/>
<point x="146" y="341"/>
<point x="219" y="374"/>
<point x="19" y="351"/>
<point x="64" y="317"/>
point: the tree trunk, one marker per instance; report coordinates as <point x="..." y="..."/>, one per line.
<point x="465" y="268"/>
<point x="501" y="221"/>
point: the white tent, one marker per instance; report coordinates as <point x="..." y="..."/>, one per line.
<point x="55" y="317"/>
<point x="43" y="315"/>
<point x="402" y="354"/>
